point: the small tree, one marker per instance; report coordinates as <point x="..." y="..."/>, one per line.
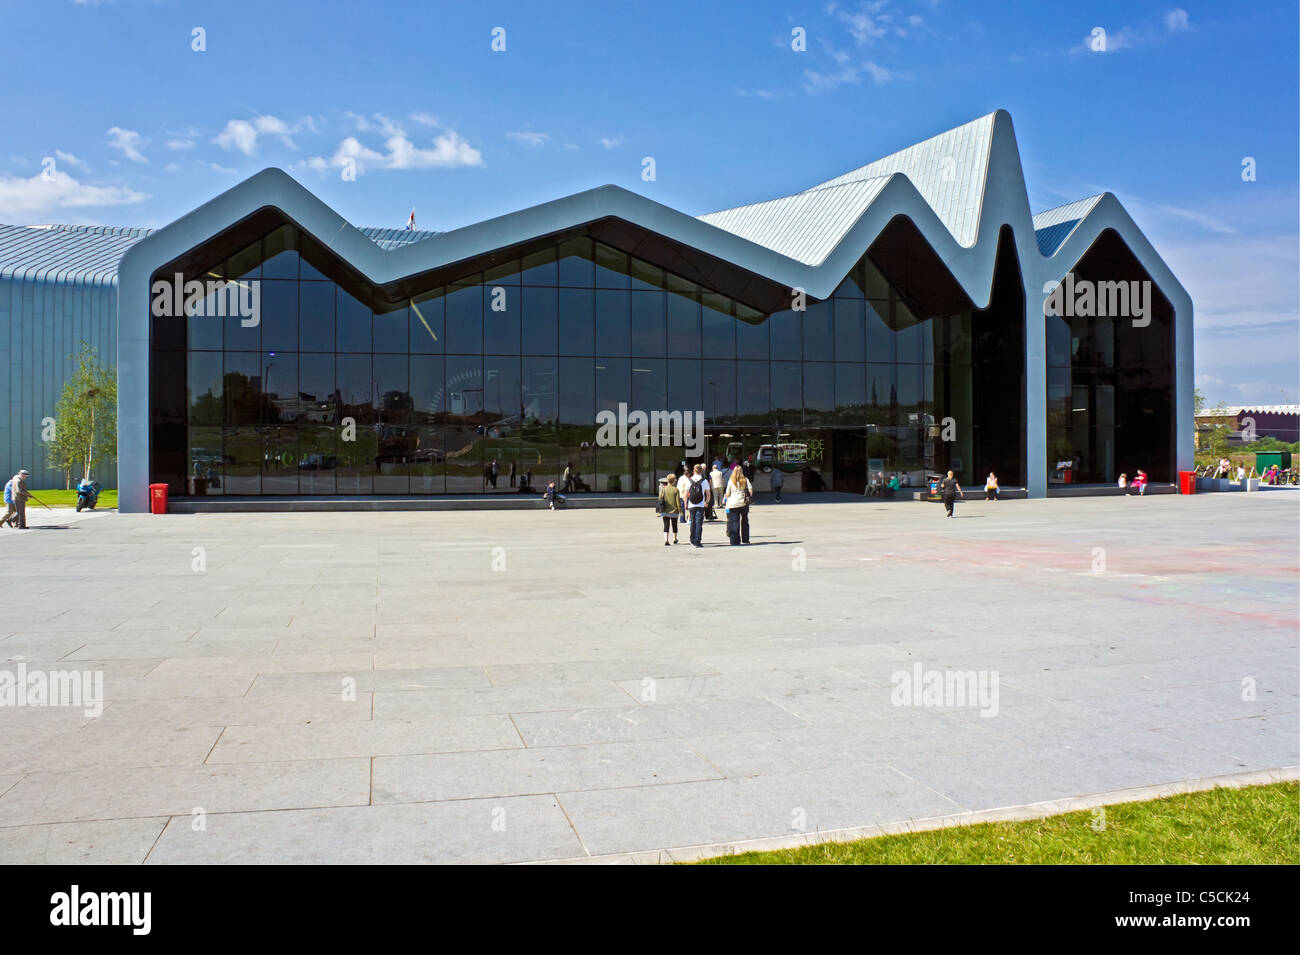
<point x="85" y="419"/>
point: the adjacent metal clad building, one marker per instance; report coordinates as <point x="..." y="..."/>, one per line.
<point x="58" y="288"/>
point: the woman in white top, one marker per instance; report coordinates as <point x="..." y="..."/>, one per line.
<point x="991" y="487"/>
<point x="739" y="493"/>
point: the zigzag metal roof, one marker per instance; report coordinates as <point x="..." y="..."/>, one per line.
<point x="1054" y="226"/>
<point x="86" y="254"/>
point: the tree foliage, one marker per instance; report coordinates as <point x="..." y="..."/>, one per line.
<point x="85" y="420"/>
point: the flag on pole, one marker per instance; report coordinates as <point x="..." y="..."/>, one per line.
<point x="410" y="223"/>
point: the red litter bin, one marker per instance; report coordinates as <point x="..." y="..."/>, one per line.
<point x="1186" y="482"/>
<point x="158" y="498"/>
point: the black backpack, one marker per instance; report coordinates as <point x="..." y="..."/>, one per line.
<point x="696" y="494"/>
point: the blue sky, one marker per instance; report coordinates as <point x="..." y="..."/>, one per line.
<point x="140" y="127"/>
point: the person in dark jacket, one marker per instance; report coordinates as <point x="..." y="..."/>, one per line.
<point x="948" y="490"/>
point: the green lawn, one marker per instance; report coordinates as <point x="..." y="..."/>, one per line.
<point x="1256" y="825"/>
<point x="107" y="499"/>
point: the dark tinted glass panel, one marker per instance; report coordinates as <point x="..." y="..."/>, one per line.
<point x="818" y="335"/>
<point x="501" y="391"/>
<point x="684" y="392"/>
<point x="880" y="394"/>
<point x="613" y="383"/>
<point x="683" y="326"/>
<point x="718" y="389"/>
<point x="850" y="394"/>
<point x="849" y="338"/>
<point x="646" y="276"/>
<point x="539" y="390"/>
<point x="786" y="329"/>
<point x="280" y="385"/>
<point x="880" y="337"/>
<point x="649" y="385"/>
<point x="540" y="321"/>
<point x="279" y="315"/>
<point x="427" y="323"/>
<point x="353" y="329"/>
<point x="316" y="390"/>
<point x="242" y="385"/>
<point x="611" y="267"/>
<point x="245" y="264"/>
<point x="787" y="390"/>
<point x="392" y="388"/>
<point x="752" y="390"/>
<point x="613" y="323"/>
<point x="280" y="460"/>
<point x="316" y="316"/>
<point x="425" y="468"/>
<point x="718" y="327"/>
<point x="819" y="393"/>
<point x="237" y="334"/>
<point x="909" y="380"/>
<point x="356" y="389"/>
<point x="910" y="343"/>
<point x="427" y="401"/>
<point x="205" y="375"/>
<point x="1058" y="340"/>
<point x="465" y="319"/>
<point x="318" y="456"/>
<point x="501" y="309"/>
<point x="578" y="390"/>
<point x="281" y="251"/>
<point x="540" y="268"/>
<point x="243" y="450"/>
<point x="390" y="330"/>
<point x="463" y="396"/>
<point x="648" y="323"/>
<point x="577" y="321"/>
<point x="752" y="339"/>
<point x="205" y="330"/>
<point x="577" y="269"/>
<point x="503" y="273"/>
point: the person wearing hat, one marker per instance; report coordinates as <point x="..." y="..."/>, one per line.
<point x="16" y="495"/>
<point x="669" y="506"/>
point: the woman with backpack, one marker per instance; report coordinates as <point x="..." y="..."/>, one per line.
<point x="669" y="506"/>
<point x="739" y="494"/>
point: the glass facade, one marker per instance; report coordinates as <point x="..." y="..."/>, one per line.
<point x="491" y="381"/>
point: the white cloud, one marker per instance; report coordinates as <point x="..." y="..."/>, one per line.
<point x="1176" y="20"/>
<point x="178" y="144"/>
<point x="817" y="82"/>
<point x="529" y="138"/>
<point x="69" y="159"/>
<point x="243" y="135"/>
<point x="611" y="142"/>
<point x="40" y="195"/>
<point x="868" y="24"/>
<point x="128" y="141"/>
<point x="449" y="150"/>
<point x="425" y="119"/>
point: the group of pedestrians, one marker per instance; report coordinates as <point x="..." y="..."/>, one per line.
<point x="694" y="496"/>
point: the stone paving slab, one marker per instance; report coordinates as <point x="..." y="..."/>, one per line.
<point x="366" y="688"/>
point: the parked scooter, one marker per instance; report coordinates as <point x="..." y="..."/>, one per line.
<point x="88" y="494"/>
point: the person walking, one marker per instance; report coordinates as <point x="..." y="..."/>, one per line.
<point x="778" y="482"/>
<point x="948" y="490"/>
<point x="748" y="468"/>
<point x="739" y="494"/>
<point x="683" y="485"/>
<point x="698" y="497"/>
<point x="512" y="474"/>
<point x="568" y="478"/>
<point x="991" y="487"/>
<point x="16" y="495"/>
<point x="492" y="473"/>
<point x="716" y="484"/>
<point x="669" y="506"/>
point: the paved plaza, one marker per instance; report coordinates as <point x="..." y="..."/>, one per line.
<point x="497" y="686"/>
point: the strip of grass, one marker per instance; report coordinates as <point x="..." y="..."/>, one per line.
<point x="1256" y="825"/>
<point x="60" y="498"/>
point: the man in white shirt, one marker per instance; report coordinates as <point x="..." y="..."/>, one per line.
<point x="683" y="483"/>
